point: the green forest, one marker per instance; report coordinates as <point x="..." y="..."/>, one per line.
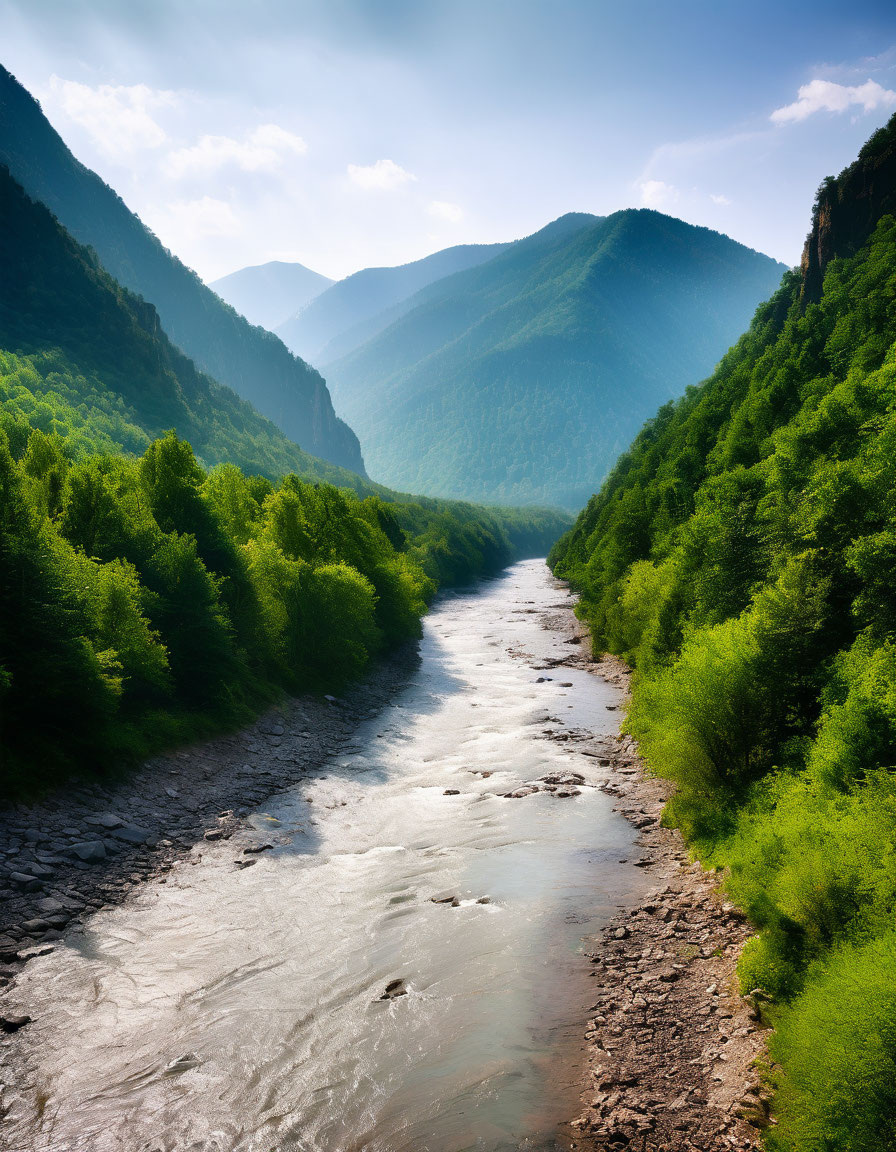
<point x="156" y="586"/>
<point x="521" y="379"/>
<point x="740" y="557"/>
<point x="145" y="601"/>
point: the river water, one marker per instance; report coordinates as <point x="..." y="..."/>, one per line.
<point x="231" y="1009"/>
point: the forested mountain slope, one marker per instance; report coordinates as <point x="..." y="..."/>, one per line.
<point x="356" y="308"/>
<point x="144" y="599"/>
<point x="268" y="294"/>
<point x="82" y="356"/>
<point x="741" y="556"/>
<point x="251" y="361"/>
<point x="521" y="380"/>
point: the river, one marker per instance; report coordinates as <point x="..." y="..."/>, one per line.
<point x="226" y="1009"/>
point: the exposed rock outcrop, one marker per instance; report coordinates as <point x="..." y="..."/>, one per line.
<point x="848" y="207"/>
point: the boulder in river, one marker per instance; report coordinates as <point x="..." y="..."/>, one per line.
<point x="568" y="778"/>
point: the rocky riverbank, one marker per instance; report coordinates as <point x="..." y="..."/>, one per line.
<point x="671" y="1046"/>
<point x="87" y="846"/>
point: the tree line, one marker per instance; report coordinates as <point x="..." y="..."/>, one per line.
<point x="741" y="557"/>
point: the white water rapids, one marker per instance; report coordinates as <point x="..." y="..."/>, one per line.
<point x="268" y="978"/>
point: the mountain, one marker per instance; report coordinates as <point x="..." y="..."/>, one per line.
<point x="520" y="380"/>
<point x="268" y="294"/>
<point x="356" y="308"/>
<point x="251" y="361"/>
<point x="741" y="557"/>
<point x="84" y="357"/>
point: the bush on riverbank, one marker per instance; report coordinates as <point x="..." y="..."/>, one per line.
<point x="741" y="558"/>
<point x="143" y="602"/>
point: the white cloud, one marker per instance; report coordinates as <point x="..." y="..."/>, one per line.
<point x="263" y="150"/>
<point x="384" y="174"/>
<point x="657" y="194"/>
<point x="444" y="210"/>
<point x="204" y="217"/>
<point x="826" y="96"/>
<point x="723" y="200"/>
<point x="117" y="117"/>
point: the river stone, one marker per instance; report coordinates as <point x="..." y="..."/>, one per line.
<point x="35" y="927"/>
<point x="9" y="948"/>
<point x="444" y="898"/>
<point x="25" y="880"/>
<point x="393" y="989"/>
<point x="104" y="820"/>
<point x="50" y="905"/>
<point x="563" y="778"/>
<point x="90" y="851"/>
<point x="131" y="834"/>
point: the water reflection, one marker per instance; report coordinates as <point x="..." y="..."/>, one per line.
<point x="241" y="1009"/>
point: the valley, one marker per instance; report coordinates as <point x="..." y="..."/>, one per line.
<point x="446" y="697"/>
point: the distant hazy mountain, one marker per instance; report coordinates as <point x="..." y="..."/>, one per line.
<point x="522" y="379"/>
<point x="81" y="355"/>
<point x="268" y="294"/>
<point x="358" y="307"/>
<point x="250" y="360"/>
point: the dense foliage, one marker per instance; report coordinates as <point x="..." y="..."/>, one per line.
<point x="521" y="379"/>
<point x="251" y="361"/>
<point x="741" y="556"/>
<point x="144" y="600"/>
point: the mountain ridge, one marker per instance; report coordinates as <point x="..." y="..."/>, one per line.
<point x="253" y="362"/>
<point x="355" y="308"/>
<point x="87" y="358"/>
<point x="268" y="294"/>
<point x="514" y="357"/>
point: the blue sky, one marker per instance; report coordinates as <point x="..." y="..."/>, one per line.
<point x="350" y="133"/>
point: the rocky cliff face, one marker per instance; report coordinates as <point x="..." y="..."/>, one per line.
<point x="848" y="208"/>
<point x="253" y="362"/>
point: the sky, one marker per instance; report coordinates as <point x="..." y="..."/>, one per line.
<point x="353" y="133"/>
